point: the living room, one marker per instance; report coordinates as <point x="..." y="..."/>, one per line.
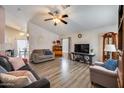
<point x="61" y="45"/>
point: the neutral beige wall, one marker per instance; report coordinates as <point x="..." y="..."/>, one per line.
<point x="92" y="37"/>
<point x="2" y="25"/>
<point x="12" y="35"/>
<point x="40" y="38"/>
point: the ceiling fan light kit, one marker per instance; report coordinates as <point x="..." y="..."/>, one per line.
<point x="57" y="18"/>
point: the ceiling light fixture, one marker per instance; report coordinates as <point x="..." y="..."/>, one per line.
<point x="27" y="35"/>
<point x="21" y="34"/>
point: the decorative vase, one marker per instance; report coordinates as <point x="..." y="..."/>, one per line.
<point x="91" y="51"/>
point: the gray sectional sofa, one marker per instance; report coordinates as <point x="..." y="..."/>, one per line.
<point x="40" y="83"/>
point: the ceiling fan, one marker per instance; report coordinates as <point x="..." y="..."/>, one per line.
<point x="57" y="18"/>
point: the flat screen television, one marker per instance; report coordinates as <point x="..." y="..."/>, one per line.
<point x="83" y="48"/>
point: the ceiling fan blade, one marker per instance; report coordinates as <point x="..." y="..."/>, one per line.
<point x="63" y="21"/>
<point x="51" y="13"/>
<point x="63" y="16"/>
<point x="48" y="19"/>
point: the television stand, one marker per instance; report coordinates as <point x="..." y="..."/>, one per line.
<point x="78" y="56"/>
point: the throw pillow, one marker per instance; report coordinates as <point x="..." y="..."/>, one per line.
<point x="5" y="63"/>
<point x="16" y="81"/>
<point x="16" y="62"/>
<point x="110" y="64"/>
<point x="2" y="70"/>
<point x="23" y="73"/>
<point x="2" y="53"/>
<point x="48" y="52"/>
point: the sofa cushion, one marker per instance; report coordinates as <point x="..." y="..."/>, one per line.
<point x="39" y="51"/>
<point x="27" y="67"/>
<point x="16" y="62"/>
<point x="110" y="64"/>
<point x="23" y="73"/>
<point x="5" y="63"/>
<point x="44" y="56"/>
<point x="2" y="70"/>
<point x="20" y="81"/>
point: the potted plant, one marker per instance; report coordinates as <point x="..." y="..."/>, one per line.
<point x="54" y="42"/>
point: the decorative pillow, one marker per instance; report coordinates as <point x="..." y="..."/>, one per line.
<point x="47" y="52"/>
<point x="2" y="70"/>
<point x="16" y="62"/>
<point x="5" y="63"/>
<point x="23" y="73"/>
<point x="18" y="82"/>
<point x="110" y="64"/>
<point x="2" y="53"/>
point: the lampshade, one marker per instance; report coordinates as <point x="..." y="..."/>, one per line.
<point x="110" y="48"/>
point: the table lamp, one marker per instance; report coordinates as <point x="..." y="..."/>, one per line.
<point x="110" y="48"/>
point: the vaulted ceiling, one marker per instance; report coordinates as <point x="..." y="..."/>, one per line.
<point x="81" y="17"/>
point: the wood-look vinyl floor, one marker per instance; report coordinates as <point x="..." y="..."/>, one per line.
<point x="63" y="73"/>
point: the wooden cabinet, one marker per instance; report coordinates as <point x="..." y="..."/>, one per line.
<point x="109" y="38"/>
<point x="57" y="49"/>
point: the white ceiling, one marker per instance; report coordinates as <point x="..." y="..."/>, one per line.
<point x="81" y="17"/>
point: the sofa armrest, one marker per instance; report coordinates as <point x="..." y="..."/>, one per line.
<point x="42" y="83"/>
<point x="102" y="70"/>
<point x="6" y="85"/>
<point x="98" y="63"/>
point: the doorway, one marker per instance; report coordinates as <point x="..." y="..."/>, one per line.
<point x="65" y="47"/>
<point x="22" y="48"/>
